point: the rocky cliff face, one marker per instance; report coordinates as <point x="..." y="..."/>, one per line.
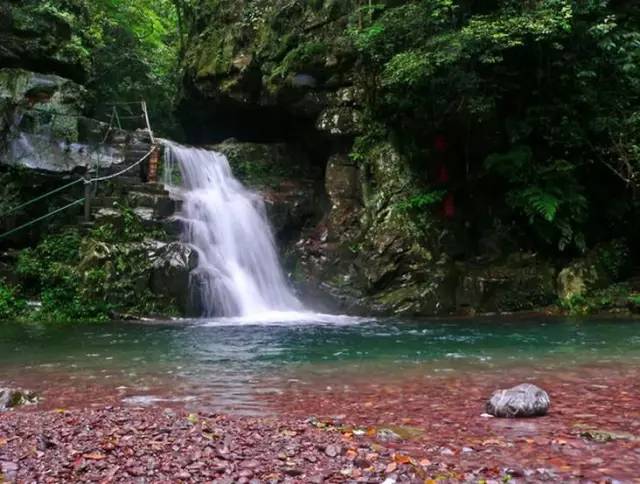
<point x="271" y="70"/>
<point x="43" y="63"/>
<point x="37" y="37"/>
<point x="286" y="72"/>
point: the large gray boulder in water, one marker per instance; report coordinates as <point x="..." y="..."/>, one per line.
<point x="171" y="271"/>
<point x="524" y="400"/>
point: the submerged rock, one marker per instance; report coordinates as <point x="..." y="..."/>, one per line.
<point x="12" y="398"/>
<point x="524" y="400"/>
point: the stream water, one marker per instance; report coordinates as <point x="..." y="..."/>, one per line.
<point x="238" y="366"/>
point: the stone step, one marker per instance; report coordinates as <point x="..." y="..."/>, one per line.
<point x="128" y="180"/>
<point x="86" y="225"/>
<point x="105" y="201"/>
<point x="163" y="206"/>
<point x="152" y="189"/>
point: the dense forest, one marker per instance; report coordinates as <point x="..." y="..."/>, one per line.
<point x="469" y="131"/>
<point x="309" y="241"/>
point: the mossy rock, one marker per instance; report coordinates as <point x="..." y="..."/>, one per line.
<point x="262" y="164"/>
<point x="258" y="55"/>
<point x="33" y="32"/>
<point x="44" y="109"/>
<point x="601" y="267"/>
<point x="518" y="283"/>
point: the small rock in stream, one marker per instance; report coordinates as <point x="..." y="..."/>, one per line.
<point x="12" y="398"/>
<point x="524" y="400"/>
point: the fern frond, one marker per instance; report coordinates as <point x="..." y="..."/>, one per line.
<point x="541" y="202"/>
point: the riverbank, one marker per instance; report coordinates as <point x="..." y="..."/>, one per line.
<point x="403" y="427"/>
<point x="118" y="444"/>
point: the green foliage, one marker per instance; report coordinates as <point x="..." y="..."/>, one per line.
<point x="257" y="173"/>
<point x="305" y="56"/>
<point x="11" y="305"/>
<point x="547" y="194"/>
<point x="129" y="229"/>
<point x="135" y="54"/>
<point x="614" y="258"/>
<point x="362" y="145"/>
<point x="48" y="262"/>
<point x="39" y="16"/>
<point x="422" y="200"/>
<point x="49" y="271"/>
<point x="634" y="302"/>
<point x="9" y="192"/>
<point x="552" y="85"/>
<point x="88" y="278"/>
<point x="618" y="297"/>
<point x="127" y="50"/>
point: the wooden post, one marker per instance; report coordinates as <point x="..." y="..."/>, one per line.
<point x="154" y="158"/>
<point x="146" y="119"/>
<point x="87" y="202"/>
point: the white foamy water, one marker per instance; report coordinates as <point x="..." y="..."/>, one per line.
<point x="239" y="279"/>
<point x="286" y="318"/>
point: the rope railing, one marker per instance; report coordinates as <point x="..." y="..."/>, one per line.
<point x="75" y="182"/>
<point x="41" y="197"/>
<point x="40" y="219"/>
<point x="115" y="117"/>
<point x="121" y="172"/>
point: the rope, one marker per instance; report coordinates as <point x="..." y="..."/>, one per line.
<point x="72" y="204"/>
<point x="39" y="219"/>
<point x="108" y="177"/>
<point x="42" y="197"/>
<point x="86" y="181"/>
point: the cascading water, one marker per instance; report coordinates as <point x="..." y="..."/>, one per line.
<point x="239" y="273"/>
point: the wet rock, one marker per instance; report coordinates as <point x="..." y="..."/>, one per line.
<point x="31" y="139"/>
<point x="342" y="181"/>
<point x="368" y="256"/>
<point x="293" y="471"/>
<point x="607" y="435"/>
<point x="341" y="121"/>
<point x="304" y="80"/>
<point x="12" y="398"/>
<point x="269" y="83"/>
<point x="524" y="400"/>
<point x="44" y="443"/>
<point x="579" y="278"/>
<point x="171" y="272"/>
<point x="157" y="205"/>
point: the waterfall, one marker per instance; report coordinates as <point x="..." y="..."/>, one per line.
<point x="239" y="273"/>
